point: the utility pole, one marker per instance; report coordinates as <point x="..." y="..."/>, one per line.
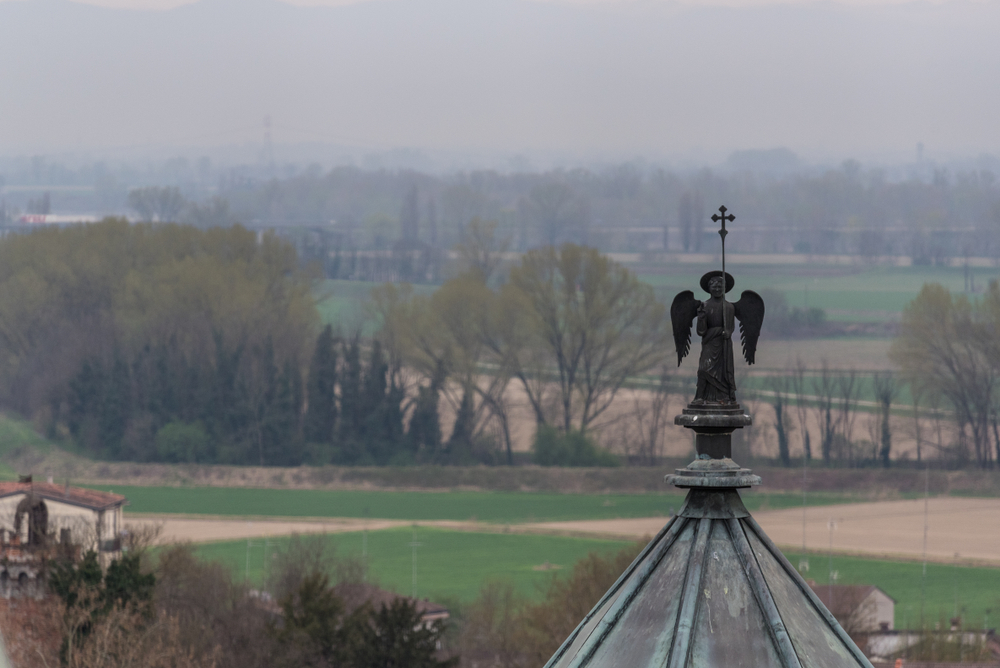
<point x="923" y="580"/>
<point x="804" y="561"/>
<point x="830" y="577"/>
<point x="364" y="545"/>
<point x="414" y="545"/>
<point x="247" y="575"/>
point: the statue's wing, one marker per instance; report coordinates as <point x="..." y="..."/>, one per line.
<point x="682" y="313"/>
<point x="750" y="312"/>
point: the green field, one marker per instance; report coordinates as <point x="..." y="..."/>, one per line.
<point x="498" y="507"/>
<point x="848" y="293"/>
<point x="451" y="565"/>
<point x="858" y="294"/>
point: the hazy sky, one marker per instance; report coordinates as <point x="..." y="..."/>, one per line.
<point x="619" y="77"/>
<point x="170" y="4"/>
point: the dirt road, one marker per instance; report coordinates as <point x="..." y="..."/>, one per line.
<point x="959" y="529"/>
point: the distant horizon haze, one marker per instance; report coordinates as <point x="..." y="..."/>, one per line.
<point x="160" y="5"/>
<point x="693" y="79"/>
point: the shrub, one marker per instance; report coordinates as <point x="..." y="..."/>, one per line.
<point x="552" y="447"/>
<point x="180" y="442"/>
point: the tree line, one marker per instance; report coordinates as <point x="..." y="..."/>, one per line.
<point x="929" y="215"/>
<point x="948" y="357"/>
<point x="566" y="330"/>
<point x="170" y="343"/>
<point x="156" y="342"/>
<point x="949" y="350"/>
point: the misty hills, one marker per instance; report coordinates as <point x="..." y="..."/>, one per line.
<point x="629" y="78"/>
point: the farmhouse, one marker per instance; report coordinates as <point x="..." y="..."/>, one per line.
<point x="39" y="520"/>
<point x="858" y="608"/>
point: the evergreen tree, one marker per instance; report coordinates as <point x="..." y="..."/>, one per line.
<point x="424" y="436"/>
<point x="374" y="385"/>
<point x="321" y="416"/>
<point x="283" y="443"/>
<point x="224" y="412"/>
<point x="395" y="635"/>
<point x="85" y="392"/>
<point x="350" y="393"/>
<point x="116" y="407"/>
<point x="125" y="583"/>
<point x="376" y="420"/>
<point x="460" y="441"/>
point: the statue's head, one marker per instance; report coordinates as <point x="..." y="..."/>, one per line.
<point x="717" y="286"/>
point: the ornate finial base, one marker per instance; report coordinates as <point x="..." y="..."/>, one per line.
<point x="714" y="468"/>
<point x="713" y="473"/>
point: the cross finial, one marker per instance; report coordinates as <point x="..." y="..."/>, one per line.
<point x="721" y="217"/>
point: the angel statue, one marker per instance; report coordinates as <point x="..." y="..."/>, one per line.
<point x="716" y="324"/>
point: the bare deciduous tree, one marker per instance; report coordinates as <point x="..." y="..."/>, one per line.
<point x="848" y="393"/>
<point x="824" y="388"/>
<point x="948" y="347"/>
<point x="797" y="379"/>
<point x="779" y="387"/>
<point x="886" y="390"/>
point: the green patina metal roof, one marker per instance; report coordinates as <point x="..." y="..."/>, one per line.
<point x="711" y="590"/>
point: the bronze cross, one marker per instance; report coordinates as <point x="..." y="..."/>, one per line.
<point x="722" y="219"/>
<point x="722" y="233"/>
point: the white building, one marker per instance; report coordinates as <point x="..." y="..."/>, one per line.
<point x="37" y="517"/>
<point x="858" y="608"/>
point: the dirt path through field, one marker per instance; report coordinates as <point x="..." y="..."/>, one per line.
<point x="959" y="529"/>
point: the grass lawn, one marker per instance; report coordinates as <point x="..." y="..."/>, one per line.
<point x="964" y="590"/>
<point x="499" y="507"/>
<point x="451" y="565"/>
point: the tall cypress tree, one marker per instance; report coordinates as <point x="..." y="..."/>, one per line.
<point x="86" y="393"/>
<point x="376" y="424"/>
<point x="374" y="385"/>
<point x="321" y="389"/>
<point x="460" y="441"/>
<point x="283" y="445"/>
<point x="116" y="406"/>
<point x="350" y="391"/>
<point x="424" y="435"/>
